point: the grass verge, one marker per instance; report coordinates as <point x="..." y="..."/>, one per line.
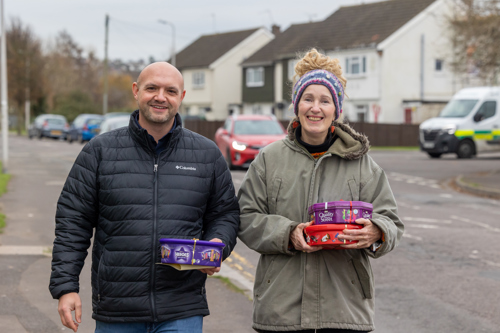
<point x="229" y="284"/>
<point x="4" y="179"/>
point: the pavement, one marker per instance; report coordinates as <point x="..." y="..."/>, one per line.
<point x="483" y="184"/>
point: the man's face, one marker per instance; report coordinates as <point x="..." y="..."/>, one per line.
<point x="159" y="92"/>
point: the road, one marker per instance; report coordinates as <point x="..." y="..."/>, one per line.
<point x="444" y="276"/>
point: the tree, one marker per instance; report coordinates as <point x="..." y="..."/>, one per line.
<point x="120" y="96"/>
<point x="475" y="38"/>
<point x="70" y="71"/>
<point x="25" y="64"/>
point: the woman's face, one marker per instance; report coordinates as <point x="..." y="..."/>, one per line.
<point x="316" y="112"/>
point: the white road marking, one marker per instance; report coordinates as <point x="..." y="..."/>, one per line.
<point x="446" y="195"/>
<point x="407" y="235"/>
<point x="424" y="226"/>
<point x="479" y="224"/>
<point x="426" y="220"/>
<point x="25" y="250"/>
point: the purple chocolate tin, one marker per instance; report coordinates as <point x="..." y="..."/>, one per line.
<point x="340" y="211"/>
<point x="191" y="252"/>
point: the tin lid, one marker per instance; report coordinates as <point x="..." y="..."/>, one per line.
<point x="339" y="204"/>
<point x="332" y="227"/>
<point x="190" y="242"/>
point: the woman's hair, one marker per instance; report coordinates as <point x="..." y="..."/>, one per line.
<point x="315" y="60"/>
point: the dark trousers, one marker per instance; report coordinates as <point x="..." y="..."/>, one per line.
<point x="323" y="330"/>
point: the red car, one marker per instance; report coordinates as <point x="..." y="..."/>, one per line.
<point x="242" y="136"/>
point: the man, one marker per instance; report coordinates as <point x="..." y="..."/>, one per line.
<point x="135" y="185"/>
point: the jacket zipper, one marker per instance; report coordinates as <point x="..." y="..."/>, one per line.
<point x="155" y="206"/>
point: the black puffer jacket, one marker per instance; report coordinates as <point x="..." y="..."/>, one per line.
<point x="133" y="198"/>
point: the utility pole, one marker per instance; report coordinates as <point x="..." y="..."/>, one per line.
<point x="172" y="56"/>
<point x="27" y="103"/>
<point x="5" y="105"/>
<point x="105" y="94"/>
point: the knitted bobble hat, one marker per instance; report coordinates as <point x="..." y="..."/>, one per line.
<point x="325" y="78"/>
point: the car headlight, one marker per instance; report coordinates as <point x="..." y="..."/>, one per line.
<point x="450" y="129"/>
<point x="239" y="145"/>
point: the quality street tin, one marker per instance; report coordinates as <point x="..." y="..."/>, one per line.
<point x="340" y="212"/>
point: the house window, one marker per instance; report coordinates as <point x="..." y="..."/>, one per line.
<point x="198" y="80"/>
<point x="291" y="68"/>
<point x="439" y="65"/>
<point x="355" y="65"/>
<point x="255" y="77"/>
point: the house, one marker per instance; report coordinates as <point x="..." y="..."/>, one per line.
<point x="391" y="52"/>
<point x="212" y="73"/>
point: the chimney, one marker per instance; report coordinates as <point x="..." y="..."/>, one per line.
<point x="275" y="29"/>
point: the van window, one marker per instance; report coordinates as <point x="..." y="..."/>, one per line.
<point x="458" y="108"/>
<point x="487" y="110"/>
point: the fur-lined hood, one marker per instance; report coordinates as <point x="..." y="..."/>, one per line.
<point x="349" y="145"/>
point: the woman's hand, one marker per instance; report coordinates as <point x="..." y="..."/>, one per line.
<point x="366" y="236"/>
<point x="298" y="240"/>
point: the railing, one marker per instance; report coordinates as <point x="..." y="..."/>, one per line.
<point x="402" y="135"/>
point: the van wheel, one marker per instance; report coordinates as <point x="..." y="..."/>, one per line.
<point x="465" y="149"/>
<point x="435" y="155"/>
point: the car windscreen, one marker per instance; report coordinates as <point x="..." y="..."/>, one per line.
<point x="55" y="121"/>
<point x="458" y="108"/>
<point x="257" y="127"/>
<point x="94" y="121"/>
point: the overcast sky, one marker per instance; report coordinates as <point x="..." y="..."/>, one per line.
<point x="135" y="32"/>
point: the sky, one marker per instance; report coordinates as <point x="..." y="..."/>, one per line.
<point x="134" y="28"/>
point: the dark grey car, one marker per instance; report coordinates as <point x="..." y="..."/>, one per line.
<point x="49" y="126"/>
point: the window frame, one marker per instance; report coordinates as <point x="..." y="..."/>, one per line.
<point x="250" y="77"/>
<point x="198" y="78"/>
<point x="360" y="61"/>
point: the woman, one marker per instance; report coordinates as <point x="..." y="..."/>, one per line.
<point x="299" y="288"/>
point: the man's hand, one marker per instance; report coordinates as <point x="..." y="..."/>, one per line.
<point x="298" y="241"/>
<point x="366" y="236"/>
<point x="212" y="271"/>
<point x="67" y="304"/>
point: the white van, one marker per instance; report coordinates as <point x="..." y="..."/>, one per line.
<point x="469" y="124"/>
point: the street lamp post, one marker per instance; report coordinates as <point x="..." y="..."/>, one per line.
<point x="173" y="39"/>
<point x="3" y="94"/>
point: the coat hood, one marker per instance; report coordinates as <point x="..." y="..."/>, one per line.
<point x="350" y="145"/>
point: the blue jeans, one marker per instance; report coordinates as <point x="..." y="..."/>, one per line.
<point x="186" y="325"/>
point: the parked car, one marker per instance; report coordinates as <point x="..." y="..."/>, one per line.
<point x="84" y="127"/>
<point x="116" y="114"/>
<point x="242" y="136"/>
<point x="469" y="124"/>
<point x="49" y="126"/>
<point x="114" y="123"/>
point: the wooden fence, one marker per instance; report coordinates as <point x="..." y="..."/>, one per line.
<point x="401" y="135"/>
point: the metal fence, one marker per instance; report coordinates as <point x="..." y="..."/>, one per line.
<point x="401" y="135"/>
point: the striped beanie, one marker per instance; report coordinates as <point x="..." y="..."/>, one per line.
<point x="323" y="77"/>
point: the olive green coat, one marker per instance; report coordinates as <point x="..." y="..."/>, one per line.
<point x="325" y="289"/>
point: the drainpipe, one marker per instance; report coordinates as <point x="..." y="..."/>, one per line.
<point x="422" y="63"/>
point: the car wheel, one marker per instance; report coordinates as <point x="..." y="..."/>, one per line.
<point x="228" y="160"/>
<point x="80" y="138"/>
<point x="69" y="138"/>
<point x="435" y="155"/>
<point x="465" y="149"/>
